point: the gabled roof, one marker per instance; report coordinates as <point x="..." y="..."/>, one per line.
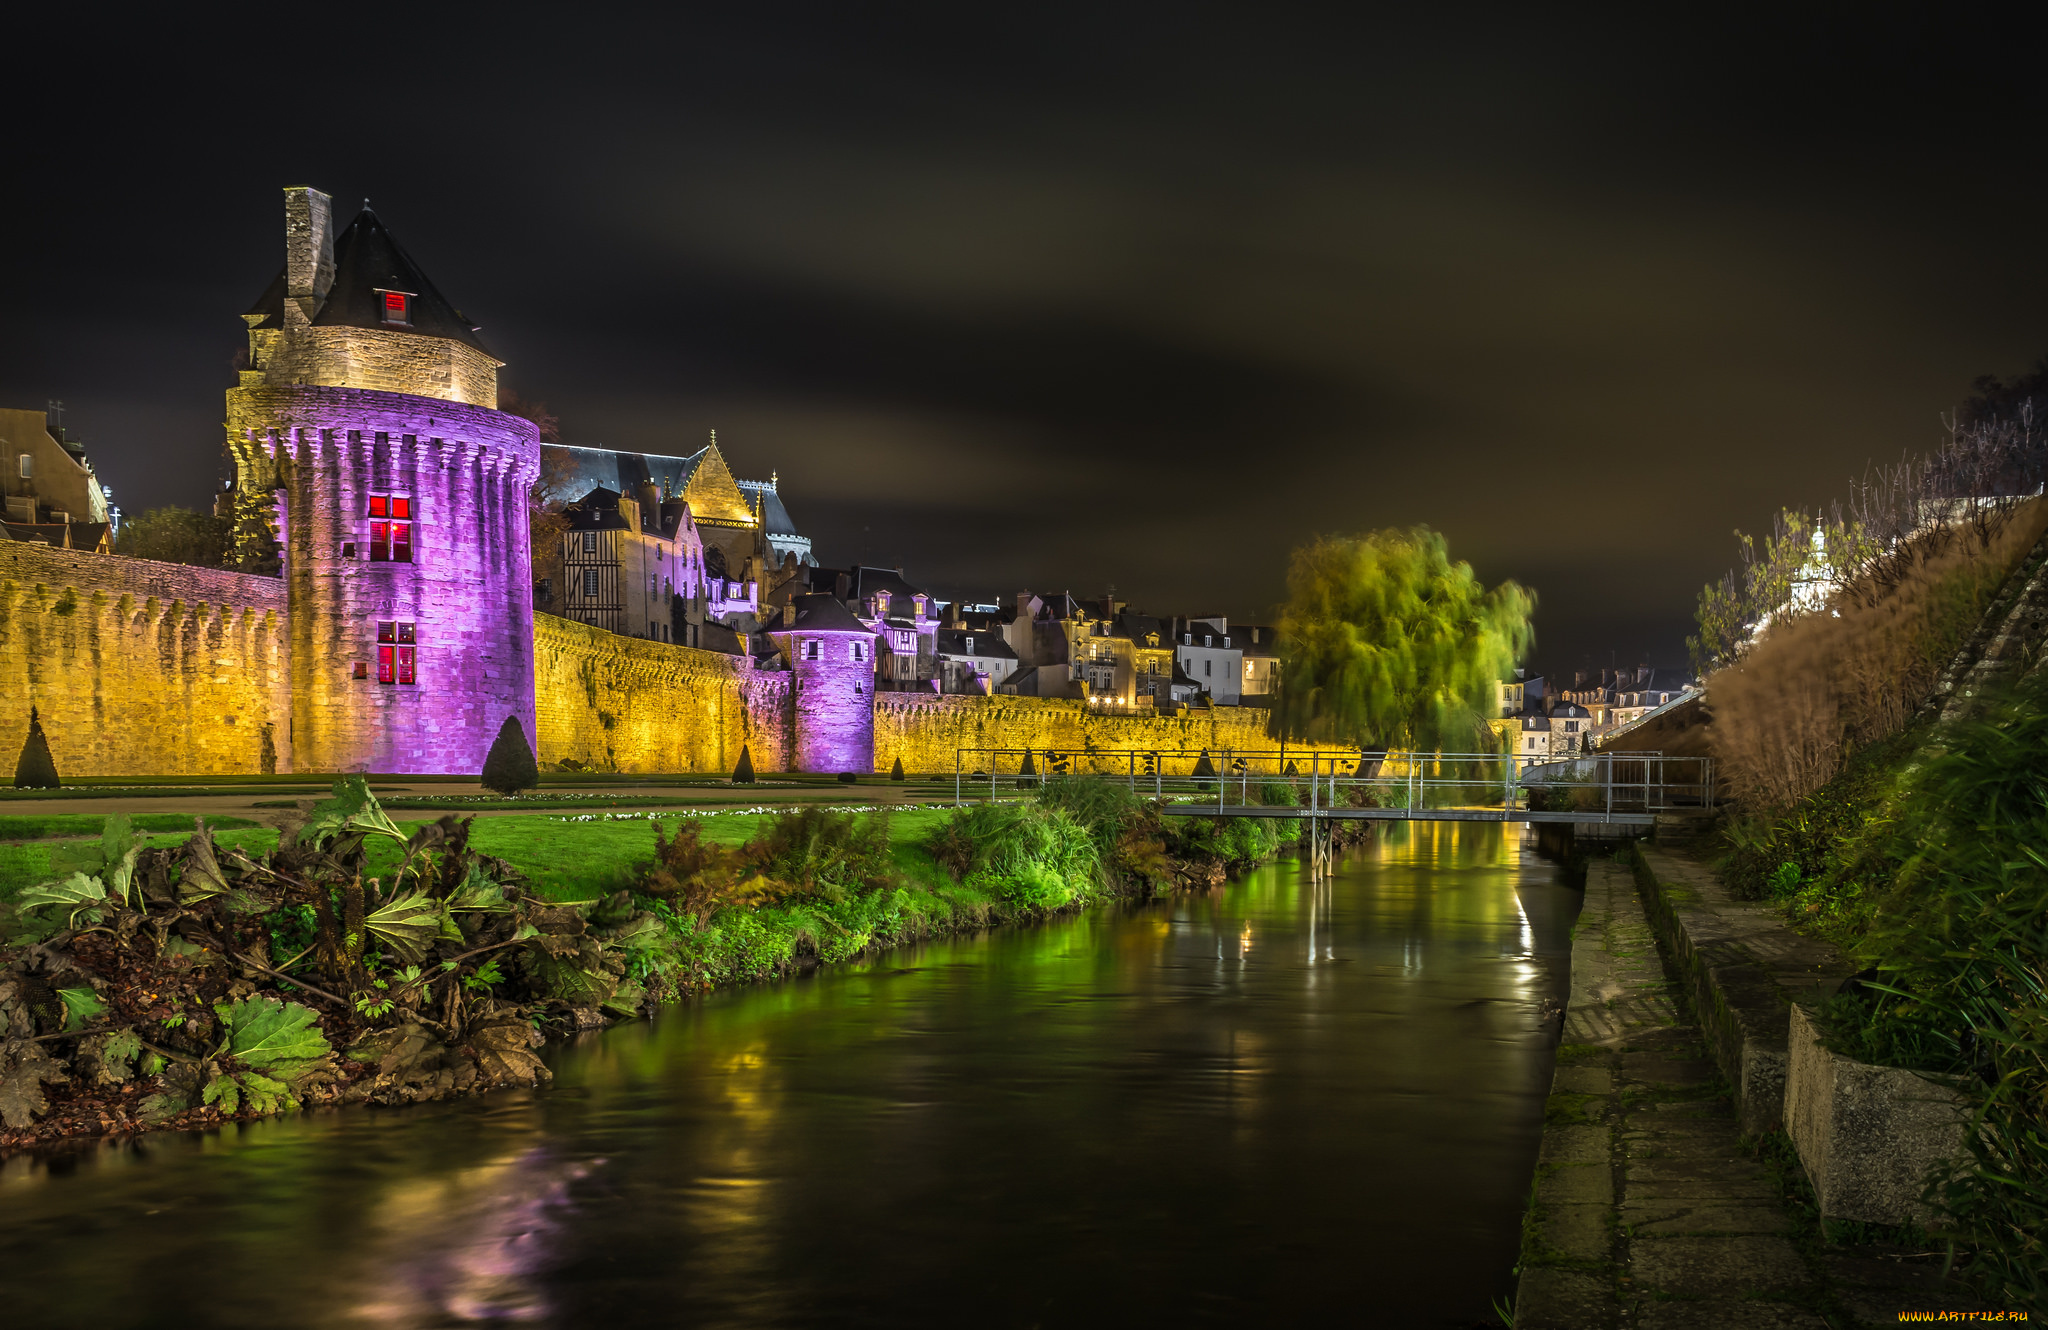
<point x="867" y="581"/>
<point x="701" y="477"/>
<point x="368" y="260"/>
<point x="823" y="614"/>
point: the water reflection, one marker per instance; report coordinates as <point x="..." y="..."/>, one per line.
<point x="1262" y="1103"/>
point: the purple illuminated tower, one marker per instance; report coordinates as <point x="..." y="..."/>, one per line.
<point x="365" y="429"/>
<point x="831" y="657"/>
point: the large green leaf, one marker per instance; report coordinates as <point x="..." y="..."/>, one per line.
<point x="74" y="893"/>
<point x="353" y="808"/>
<point x="479" y="893"/>
<point x="408" y="924"/>
<point x="279" y="1038"/>
<point x="82" y="1006"/>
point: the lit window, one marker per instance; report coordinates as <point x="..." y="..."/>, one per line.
<point x="590" y="542"/>
<point x="397" y="307"/>
<point x="590" y="583"/>
<point x="397" y="654"/>
<point x="390" y="528"/>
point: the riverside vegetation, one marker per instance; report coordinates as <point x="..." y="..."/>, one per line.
<point x="1916" y="845"/>
<point x="180" y="986"/>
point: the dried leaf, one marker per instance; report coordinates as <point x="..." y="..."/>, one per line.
<point x="201" y="876"/>
<point x="24" y="1069"/>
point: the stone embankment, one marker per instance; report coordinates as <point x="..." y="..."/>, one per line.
<point x="1666" y="1195"/>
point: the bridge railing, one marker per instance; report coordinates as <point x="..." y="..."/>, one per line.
<point x="1599" y="786"/>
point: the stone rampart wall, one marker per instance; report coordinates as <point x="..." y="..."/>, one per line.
<point x="617" y="703"/>
<point x="142" y="668"/>
<point x="926" y="731"/>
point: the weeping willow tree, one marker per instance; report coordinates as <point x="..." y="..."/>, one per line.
<point x="1387" y="643"/>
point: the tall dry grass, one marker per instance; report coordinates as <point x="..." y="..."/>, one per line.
<point x="1816" y="687"/>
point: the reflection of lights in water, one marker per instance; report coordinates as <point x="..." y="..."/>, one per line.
<point x="466" y="1246"/>
<point x="1244" y="940"/>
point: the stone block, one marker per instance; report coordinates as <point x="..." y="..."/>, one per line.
<point x="1586" y="1183"/>
<point x="1576" y="1233"/>
<point x="1665" y="1217"/>
<point x="1733" y="1267"/>
<point x="1547" y="1299"/>
<point x="1575" y="1145"/>
<point x="1725" y="1314"/>
<point x="1582" y="1080"/>
<point x="1867" y="1135"/>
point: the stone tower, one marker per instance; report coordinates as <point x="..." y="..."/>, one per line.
<point x="831" y="657"/>
<point x="367" y="424"/>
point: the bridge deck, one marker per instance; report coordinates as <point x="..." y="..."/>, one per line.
<point x="1412" y="814"/>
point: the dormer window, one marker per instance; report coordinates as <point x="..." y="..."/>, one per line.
<point x="396" y="307"/>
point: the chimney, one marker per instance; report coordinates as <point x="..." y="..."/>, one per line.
<point x="308" y="250"/>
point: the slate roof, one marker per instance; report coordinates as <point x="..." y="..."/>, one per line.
<point x="824" y="614"/>
<point x="269" y="307"/>
<point x="774" y="517"/>
<point x="367" y="259"/>
<point x="987" y="646"/>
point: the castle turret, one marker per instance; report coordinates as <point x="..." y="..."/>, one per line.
<point x="367" y="421"/>
<point x="831" y="657"/>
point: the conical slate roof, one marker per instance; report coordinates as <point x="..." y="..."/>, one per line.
<point x="367" y="260"/>
<point x="269" y="307"/>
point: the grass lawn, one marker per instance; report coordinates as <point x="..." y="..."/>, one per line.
<point x="567" y="858"/>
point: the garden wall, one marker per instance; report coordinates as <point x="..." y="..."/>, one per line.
<point x="924" y="731"/>
<point x="613" y="703"/>
<point x="142" y="668"/>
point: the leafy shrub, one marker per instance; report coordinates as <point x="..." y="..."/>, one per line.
<point x="1026" y="853"/>
<point x="1946" y="892"/>
<point x="694" y="878"/>
<point x="817" y="851"/>
<point x="1274" y="794"/>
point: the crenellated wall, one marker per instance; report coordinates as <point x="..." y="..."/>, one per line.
<point x="925" y="731"/>
<point x="142" y="668"/>
<point x="616" y="703"/>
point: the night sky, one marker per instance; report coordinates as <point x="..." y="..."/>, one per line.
<point x="1062" y="297"/>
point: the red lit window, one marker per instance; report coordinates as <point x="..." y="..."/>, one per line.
<point x="397" y="654"/>
<point x="395" y="307"/>
<point x="390" y="541"/>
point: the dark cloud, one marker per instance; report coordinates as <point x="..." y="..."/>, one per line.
<point x="1119" y="294"/>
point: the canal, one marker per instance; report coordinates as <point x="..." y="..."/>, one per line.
<point x="1275" y="1103"/>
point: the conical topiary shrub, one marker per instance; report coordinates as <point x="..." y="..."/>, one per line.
<point x="1205" y="771"/>
<point x="36" y="770"/>
<point x="1030" y="768"/>
<point x="743" y="773"/>
<point x="896" y="772"/>
<point x="509" y="767"/>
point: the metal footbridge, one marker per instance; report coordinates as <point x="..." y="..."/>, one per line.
<point x="1624" y="789"/>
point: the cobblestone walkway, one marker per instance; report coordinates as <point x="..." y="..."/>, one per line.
<point x="1649" y="1211"/>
